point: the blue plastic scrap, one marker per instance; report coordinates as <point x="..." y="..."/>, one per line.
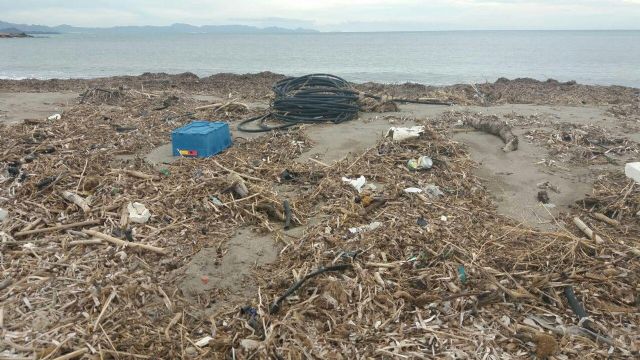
<point x="462" y="274"/>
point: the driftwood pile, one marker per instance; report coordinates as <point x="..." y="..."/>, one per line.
<point x="583" y="143"/>
<point x="441" y="276"/>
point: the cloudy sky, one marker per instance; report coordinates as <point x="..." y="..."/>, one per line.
<point x="334" y="15"/>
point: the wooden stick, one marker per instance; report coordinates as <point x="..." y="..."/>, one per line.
<point x="123" y="243"/>
<point x="124" y="217"/>
<point x="208" y="106"/>
<point x="605" y="218"/>
<point x="86" y="162"/>
<point x="76" y="199"/>
<point x="385" y="265"/>
<point x="173" y="321"/>
<point x="587" y="231"/>
<point x="31" y="225"/>
<point x="139" y="174"/>
<point x="58" y="228"/>
<point x="86" y="242"/>
<point x="319" y="162"/>
<point x="72" y="355"/>
<point x="358" y="159"/>
<point x="115" y="352"/>
<point x="241" y="199"/>
<point x="104" y="309"/>
<point x="237" y="173"/>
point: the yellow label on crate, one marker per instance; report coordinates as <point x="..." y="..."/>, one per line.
<point x="188" y="152"/>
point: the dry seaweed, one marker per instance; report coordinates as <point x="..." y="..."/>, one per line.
<point x="440" y="278"/>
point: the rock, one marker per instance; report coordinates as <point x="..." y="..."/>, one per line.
<point x="543" y="197"/>
<point x="4" y="214"/>
<point x="191" y="352"/>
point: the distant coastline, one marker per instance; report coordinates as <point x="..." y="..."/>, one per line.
<point x="170" y="29"/>
<point x="11" y="35"/>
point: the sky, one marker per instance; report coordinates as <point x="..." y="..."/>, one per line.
<point x="334" y="15"/>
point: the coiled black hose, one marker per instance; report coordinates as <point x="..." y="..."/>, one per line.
<point x="312" y="99"/>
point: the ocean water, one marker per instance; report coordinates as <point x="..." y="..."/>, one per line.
<point x="438" y="58"/>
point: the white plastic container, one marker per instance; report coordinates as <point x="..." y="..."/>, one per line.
<point x="632" y="170"/>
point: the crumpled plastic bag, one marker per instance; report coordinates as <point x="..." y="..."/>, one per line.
<point x="403" y="133"/>
<point x="138" y="213"/>
<point x="356" y="183"/>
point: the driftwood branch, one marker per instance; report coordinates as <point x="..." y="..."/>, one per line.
<point x="587" y="231"/>
<point x="123" y="243"/>
<point x="58" y="228"/>
<point x="494" y="126"/>
<point x="76" y="199"/>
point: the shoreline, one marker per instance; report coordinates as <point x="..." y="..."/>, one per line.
<point x="258" y="85"/>
<point x="187" y="74"/>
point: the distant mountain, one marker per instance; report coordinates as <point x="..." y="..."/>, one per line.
<point x="175" y="28"/>
<point x="11" y="30"/>
<point x="29" y="29"/>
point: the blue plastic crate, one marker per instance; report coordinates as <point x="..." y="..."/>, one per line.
<point x="200" y="139"/>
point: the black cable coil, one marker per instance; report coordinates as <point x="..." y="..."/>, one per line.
<point x="312" y="99"/>
<point x="308" y="99"/>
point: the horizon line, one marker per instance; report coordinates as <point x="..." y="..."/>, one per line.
<point x="266" y="27"/>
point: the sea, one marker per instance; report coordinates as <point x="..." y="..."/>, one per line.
<point x="434" y="58"/>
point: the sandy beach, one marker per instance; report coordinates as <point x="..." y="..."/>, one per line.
<point x="485" y="269"/>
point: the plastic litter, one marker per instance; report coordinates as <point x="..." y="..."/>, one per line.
<point x="421" y="163"/>
<point x="403" y="133"/>
<point x="443" y="218"/>
<point x="4" y="214"/>
<point x="433" y="191"/>
<point x="54" y="117"/>
<point x="215" y="200"/>
<point x="356" y="183"/>
<point x="287" y="175"/>
<point x="413" y="190"/>
<point x="204" y="341"/>
<point x="364" y="228"/>
<point x="632" y="170"/>
<point x="138" y="213"/>
<point x="462" y="275"/>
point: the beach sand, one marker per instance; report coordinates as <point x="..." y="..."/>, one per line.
<point x="507" y="176"/>
<point x="570" y="136"/>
